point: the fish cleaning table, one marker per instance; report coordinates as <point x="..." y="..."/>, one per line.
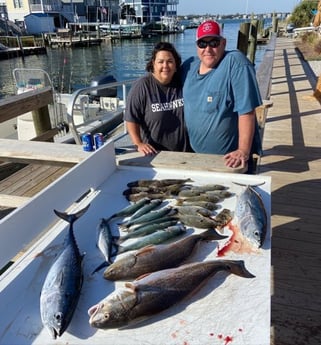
<point x="227" y="310"/>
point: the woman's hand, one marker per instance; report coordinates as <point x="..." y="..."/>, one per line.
<point x="146" y="149"/>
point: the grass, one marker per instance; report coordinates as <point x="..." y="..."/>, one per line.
<point x="309" y="45"/>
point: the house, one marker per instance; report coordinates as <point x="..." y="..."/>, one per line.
<point x="46" y="16"/>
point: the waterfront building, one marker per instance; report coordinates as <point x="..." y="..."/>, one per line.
<point x="46" y="16"/>
<point x="146" y="11"/>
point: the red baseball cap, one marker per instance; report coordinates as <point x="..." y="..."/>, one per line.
<point x="209" y="28"/>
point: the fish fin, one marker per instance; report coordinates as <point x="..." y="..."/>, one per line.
<point x="179" y="202"/>
<point x="71" y="218"/>
<point x="130" y="285"/>
<point x="142" y="276"/>
<point x="101" y="266"/>
<point x="237" y="267"/>
<point x="211" y="234"/>
<point x="249" y="185"/>
<point x="145" y="250"/>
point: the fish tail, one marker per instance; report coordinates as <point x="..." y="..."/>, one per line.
<point x="251" y="185"/>
<point x="101" y="266"/>
<point x="211" y="234"/>
<point x="72" y="217"/>
<point x="237" y="267"/>
<point x="179" y="202"/>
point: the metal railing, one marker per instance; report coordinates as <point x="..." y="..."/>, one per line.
<point x="89" y="91"/>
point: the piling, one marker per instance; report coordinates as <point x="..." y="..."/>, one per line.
<point x="243" y="37"/>
<point x="253" y="40"/>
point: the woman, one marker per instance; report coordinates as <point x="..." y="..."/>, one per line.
<point x="154" y="112"/>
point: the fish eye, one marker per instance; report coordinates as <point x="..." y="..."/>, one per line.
<point x="106" y="316"/>
<point x="58" y="316"/>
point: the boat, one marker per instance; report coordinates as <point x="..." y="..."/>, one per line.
<point x="67" y="39"/>
<point x="97" y="108"/>
<point x="99" y="180"/>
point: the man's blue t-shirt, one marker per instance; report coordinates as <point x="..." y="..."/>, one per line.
<point x="213" y="102"/>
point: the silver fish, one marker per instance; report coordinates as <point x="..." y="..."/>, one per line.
<point x="251" y="216"/>
<point x="105" y="242"/>
<point x="147" y="229"/>
<point x="152" y="215"/>
<point x="156" y="237"/>
<point x="157" y="291"/>
<point x="129" y="210"/>
<point x="153" y="258"/>
<point x="143" y="210"/>
<point x="61" y="289"/>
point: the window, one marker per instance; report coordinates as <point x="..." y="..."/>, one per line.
<point x="17" y="3"/>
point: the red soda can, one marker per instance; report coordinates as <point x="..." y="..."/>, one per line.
<point x="87" y="142"/>
<point x="99" y="140"/>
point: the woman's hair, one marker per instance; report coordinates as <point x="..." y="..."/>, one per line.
<point x="167" y="47"/>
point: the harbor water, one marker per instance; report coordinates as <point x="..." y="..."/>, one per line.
<point x="71" y="69"/>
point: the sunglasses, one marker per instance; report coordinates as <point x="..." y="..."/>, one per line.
<point x="213" y="43"/>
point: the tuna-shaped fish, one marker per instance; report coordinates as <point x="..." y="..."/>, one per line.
<point x="156" y="292"/>
<point x="251" y="216"/>
<point x="62" y="286"/>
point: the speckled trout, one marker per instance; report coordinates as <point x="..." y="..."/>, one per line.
<point x="157" y="291"/>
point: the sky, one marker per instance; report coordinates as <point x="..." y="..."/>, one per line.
<point x="234" y="6"/>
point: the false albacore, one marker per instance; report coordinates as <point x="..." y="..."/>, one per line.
<point x="61" y="289"/>
<point x="156" y="292"/>
<point x="251" y="216"/>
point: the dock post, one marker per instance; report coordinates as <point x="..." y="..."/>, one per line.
<point x="275" y="22"/>
<point x="41" y="120"/>
<point x="253" y="40"/>
<point x="243" y="38"/>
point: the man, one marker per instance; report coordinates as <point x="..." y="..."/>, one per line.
<point x="220" y="96"/>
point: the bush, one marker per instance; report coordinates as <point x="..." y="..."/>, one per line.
<point x="302" y="14"/>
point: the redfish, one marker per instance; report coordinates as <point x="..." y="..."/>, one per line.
<point x="157" y="291"/>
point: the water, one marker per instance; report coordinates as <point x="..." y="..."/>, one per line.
<point x="71" y="69"/>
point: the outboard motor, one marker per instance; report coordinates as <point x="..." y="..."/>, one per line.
<point x="107" y="92"/>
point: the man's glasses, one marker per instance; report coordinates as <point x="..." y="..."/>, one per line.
<point x="213" y="43"/>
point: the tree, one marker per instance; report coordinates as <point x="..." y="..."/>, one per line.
<point x="303" y="13"/>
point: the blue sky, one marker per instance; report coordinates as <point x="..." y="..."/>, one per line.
<point x="234" y="6"/>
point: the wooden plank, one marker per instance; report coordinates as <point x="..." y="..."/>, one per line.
<point x="24" y="151"/>
<point x="12" y="200"/>
<point x="31" y="179"/>
<point x="27" y="101"/>
<point x="179" y="160"/>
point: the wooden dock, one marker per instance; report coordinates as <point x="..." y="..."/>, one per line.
<point x="292" y="156"/>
